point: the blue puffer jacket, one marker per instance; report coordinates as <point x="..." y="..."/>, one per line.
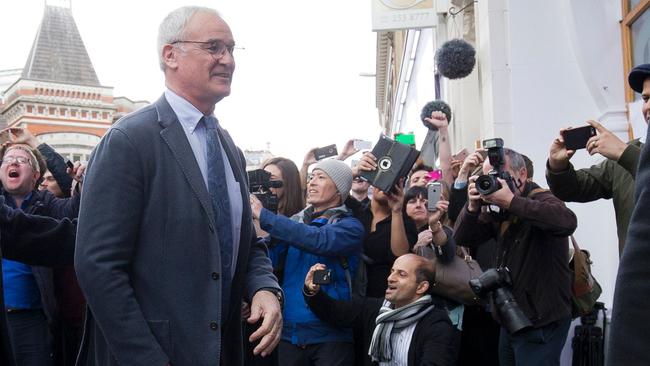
<point x="299" y="246"/>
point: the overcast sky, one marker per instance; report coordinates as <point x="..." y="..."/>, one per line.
<point x="296" y="84"/>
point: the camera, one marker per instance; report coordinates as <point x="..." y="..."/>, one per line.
<point x="496" y="282"/>
<point x="487" y="183"/>
<point x="259" y="183"/>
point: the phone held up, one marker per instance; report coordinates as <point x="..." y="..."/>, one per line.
<point x="433" y="195"/>
<point x="362" y="145"/>
<point x="322" y="276"/>
<point x="325" y="152"/>
<point x="576" y="138"/>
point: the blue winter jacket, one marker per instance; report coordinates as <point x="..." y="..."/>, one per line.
<point x="300" y="246"/>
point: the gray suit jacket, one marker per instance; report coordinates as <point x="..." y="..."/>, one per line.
<point x="147" y="254"/>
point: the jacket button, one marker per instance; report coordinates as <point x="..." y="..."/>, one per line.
<point x="214" y="325"/>
<point x="215" y="276"/>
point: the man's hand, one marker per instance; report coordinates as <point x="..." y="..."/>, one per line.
<point x="77" y="172"/>
<point x="367" y="163"/>
<point x="256" y="207"/>
<point x="605" y="143"/>
<point x="348" y="150"/>
<point x="474" y="199"/>
<point x="21" y="135"/>
<point x="310" y="158"/>
<point x="471" y="162"/>
<point x="502" y="197"/>
<point x="558" y="157"/>
<point x="309" y="279"/>
<point x="267" y="307"/>
<point x="396" y="197"/>
<point x="438" y="120"/>
<point x="455" y="167"/>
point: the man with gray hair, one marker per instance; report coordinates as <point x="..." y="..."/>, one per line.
<point x="166" y="248"/>
<point x="531" y="230"/>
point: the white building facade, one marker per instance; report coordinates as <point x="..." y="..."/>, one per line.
<point x="541" y="66"/>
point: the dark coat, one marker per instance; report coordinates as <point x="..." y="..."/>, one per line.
<point x="147" y="255"/>
<point x="535" y="248"/>
<point x="629" y="336"/>
<point x="432" y="341"/>
<point x="34" y="240"/>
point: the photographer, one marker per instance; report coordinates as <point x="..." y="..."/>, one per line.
<point x="612" y="178"/>
<point x="531" y="231"/>
<point x="324" y="232"/>
<point x="408" y="327"/>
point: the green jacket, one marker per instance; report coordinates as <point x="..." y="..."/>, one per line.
<point x="608" y="179"/>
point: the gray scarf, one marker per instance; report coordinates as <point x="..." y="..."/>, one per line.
<point x="390" y="319"/>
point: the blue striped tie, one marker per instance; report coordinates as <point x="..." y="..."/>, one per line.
<point x="218" y="189"/>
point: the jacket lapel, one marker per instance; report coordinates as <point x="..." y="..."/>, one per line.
<point x="174" y="136"/>
<point x="237" y="167"/>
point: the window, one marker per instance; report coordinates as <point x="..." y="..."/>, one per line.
<point x="636" y="38"/>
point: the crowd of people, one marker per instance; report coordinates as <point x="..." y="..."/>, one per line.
<point x="157" y="253"/>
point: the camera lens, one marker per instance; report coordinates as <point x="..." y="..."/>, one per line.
<point x="484" y="185"/>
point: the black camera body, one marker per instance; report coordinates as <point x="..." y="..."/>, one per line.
<point x="497" y="283"/>
<point x="259" y="181"/>
<point x="488" y="183"/>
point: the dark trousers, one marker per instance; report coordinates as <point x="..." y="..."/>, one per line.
<point x="31" y="341"/>
<point x="538" y="346"/>
<point x="322" y="354"/>
<point x="249" y="358"/>
<point x="479" y="344"/>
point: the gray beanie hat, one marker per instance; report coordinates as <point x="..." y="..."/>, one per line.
<point x="340" y="173"/>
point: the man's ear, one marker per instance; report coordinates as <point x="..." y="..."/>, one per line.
<point x="423" y="288"/>
<point x="170" y="56"/>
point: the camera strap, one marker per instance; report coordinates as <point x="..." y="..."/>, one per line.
<point x="501" y="242"/>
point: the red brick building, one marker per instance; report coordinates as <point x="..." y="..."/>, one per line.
<point x="57" y="95"/>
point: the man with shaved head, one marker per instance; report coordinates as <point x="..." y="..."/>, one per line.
<point x="408" y="327"/>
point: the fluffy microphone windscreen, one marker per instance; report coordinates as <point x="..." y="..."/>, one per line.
<point x="435" y="106"/>
<point x="455" y="59"/>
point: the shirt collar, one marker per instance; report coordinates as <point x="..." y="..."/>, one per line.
<point x="187" y="114"/>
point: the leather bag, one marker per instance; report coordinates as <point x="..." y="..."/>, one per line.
<point x="452" y="279"/>
<point x="585" y="290"/>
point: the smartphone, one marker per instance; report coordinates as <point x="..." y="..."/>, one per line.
<point x="362" y="145"/>
<point x="461" y="155"/>
<point x="322" y="276"/>
<point x="69" y="164"/>
<point x="576" y="138"/>
<point x="433" y="195"/>
<point x="434" y="175"/>
<point x="325" y="152"/>
<point x="405" y="138"/>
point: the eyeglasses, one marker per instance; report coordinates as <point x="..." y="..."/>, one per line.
<point x="215" y="48"/>
<point x="19" y="159"/>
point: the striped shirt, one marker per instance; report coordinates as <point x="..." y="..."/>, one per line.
<point x="400" y="343"/>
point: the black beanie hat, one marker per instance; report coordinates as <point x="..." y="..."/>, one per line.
<point x="637" y="77"/>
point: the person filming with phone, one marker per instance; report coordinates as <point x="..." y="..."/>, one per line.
<point x="613" y="177"/>
<point x="408" y="326"/>
<point x="530" y="288"/>
<point x="324" y="232"/>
